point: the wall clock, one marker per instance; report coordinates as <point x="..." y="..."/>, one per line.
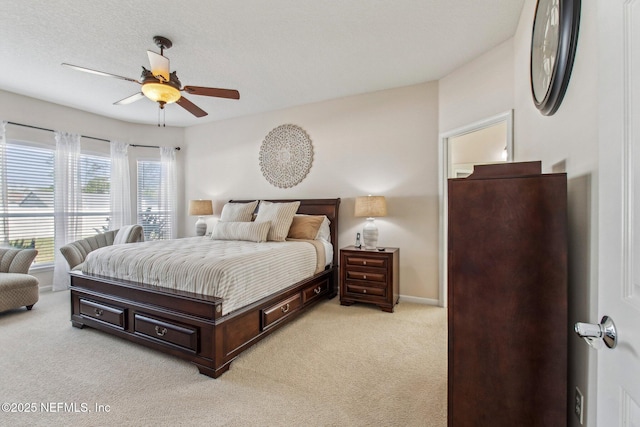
<point x="553" y="48"/>
<point x="286" y="155"/>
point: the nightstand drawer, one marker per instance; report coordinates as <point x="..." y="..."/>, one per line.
<point x="366" y="290"/>
<point x="102" y="312"/>
<point x="165" y="331"/>
<point x="366" y="275"/>
<point x="366" y="261"/>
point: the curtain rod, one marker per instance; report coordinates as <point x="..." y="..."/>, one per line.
<point x="85" y="136"/>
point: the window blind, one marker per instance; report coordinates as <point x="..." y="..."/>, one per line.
<point x="155" y="222"/>
<point x="27" y="215"/>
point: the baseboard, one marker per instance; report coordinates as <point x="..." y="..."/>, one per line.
<point x="418" y="300"/>
<point x="46" y="288"/>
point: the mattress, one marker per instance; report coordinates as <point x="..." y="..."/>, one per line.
<point x="239" y="272"/>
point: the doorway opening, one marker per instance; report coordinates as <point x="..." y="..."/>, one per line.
<point x="483" y="142"/>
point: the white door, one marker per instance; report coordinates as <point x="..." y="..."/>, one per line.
<point x="618" y="387"/>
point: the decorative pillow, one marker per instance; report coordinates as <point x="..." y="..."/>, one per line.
<point x="250" y="231"/>
<point x="211" y="224"/>
<point x="128" y="234"/>
<point x="324" y="233"/>
<point x="281" y="217"/>
<point x="305" y="226"/>
<point x="238" y="212"/>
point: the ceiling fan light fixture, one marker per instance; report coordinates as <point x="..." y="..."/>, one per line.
<point x="161" y="85"/>
<point x="160" y="92"/>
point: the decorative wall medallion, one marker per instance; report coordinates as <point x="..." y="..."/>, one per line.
<point x="286" y="155"/>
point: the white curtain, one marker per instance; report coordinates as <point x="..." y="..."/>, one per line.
<point x="120" y="186"/>
<point x="168" y="189"/>
<point x="3" y="185"/>
<point x="67" y="198"/>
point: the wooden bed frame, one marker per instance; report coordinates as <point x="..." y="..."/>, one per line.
<point x="191" y="326"/>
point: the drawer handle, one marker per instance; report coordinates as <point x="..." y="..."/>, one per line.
<point x="317" y="290"/>
<point x="364" y="277"/>
<point x="160" y="331"/>
<point x="98" y="312"/>
<point x="364" y="262"/>
<point x="285" y="308"/>
<point x="364" y="291"/>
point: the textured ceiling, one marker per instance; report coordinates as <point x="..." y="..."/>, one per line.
<point x="277" y="53"/>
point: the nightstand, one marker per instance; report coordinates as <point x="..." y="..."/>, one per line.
<point x="369" y="276"/>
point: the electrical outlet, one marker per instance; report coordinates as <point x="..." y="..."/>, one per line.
<point x="578" y="405"/>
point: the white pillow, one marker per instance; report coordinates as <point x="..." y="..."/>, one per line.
<point x="325" y="232"/>
<point x="250" y="231"/>
<point x="280" y="215"/>
<point x="211" y="224"/>
<point x="238" y="212"/>
<point x="123" y="235"/>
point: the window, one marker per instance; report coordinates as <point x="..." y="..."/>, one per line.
<point x="155" y="222"/>
<point x="95" y="211"/>
<point x="27" y="219"/>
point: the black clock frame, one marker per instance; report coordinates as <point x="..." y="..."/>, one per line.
<point x="569" y="25"/>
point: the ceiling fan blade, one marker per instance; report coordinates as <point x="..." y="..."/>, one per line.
<point x="191" y="107"/>
<point x="212" y="91"/>
<point x="100" y="73"/>
<point x="129" y="99"/>
<point x="159" y="65"/>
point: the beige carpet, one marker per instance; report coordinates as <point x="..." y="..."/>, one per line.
<point x="333" y="366"/>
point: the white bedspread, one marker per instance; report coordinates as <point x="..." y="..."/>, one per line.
<point x="239" y="272"/>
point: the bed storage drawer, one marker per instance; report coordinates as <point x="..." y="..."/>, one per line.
<point x="279" y="311"/>
<point x="184" y="336"/>
<point x="315" y="291"/>
<point x="114" y="316"/>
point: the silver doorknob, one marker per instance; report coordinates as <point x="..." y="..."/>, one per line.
<point x="594" y="335"/>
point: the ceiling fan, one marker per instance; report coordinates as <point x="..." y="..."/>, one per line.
<point x="161" y="86"/>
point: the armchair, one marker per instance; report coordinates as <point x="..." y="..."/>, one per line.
<point x="17" y="288"/>
<point x="76" y="252"/>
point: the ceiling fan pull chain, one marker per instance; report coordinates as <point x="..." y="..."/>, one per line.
<point x="161" y="117"/>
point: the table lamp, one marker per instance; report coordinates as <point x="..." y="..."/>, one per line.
<point x="200" y="208"/>
<point x="370" y="207"/>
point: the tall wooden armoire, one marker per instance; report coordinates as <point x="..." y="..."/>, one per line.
<point x="507" y="297"/>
